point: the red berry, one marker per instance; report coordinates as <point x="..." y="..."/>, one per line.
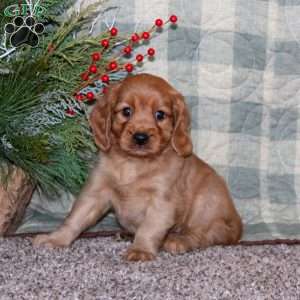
<point x="79" y="97"/>
<point x="129" y="68"/>
<point x="146" y="35"/>
<point x="85" y="76"/>
<point x="151" y="51"/>
<point x="113" y="65"/>
<point x="139" y="57"/>
<point x="105" y="43"/>
<point x="70" y="112"/>
<point x="135" y="37"/>
<point x="114" y="31"/>
<point x="159" y="22"/>
<point x="96" y="56"/>
<point x="90" y="95"/>
<point x="173" y="19"/>
<point x="105" y="78"/>
<point x="93" y="69"/>
<point x="127" y="50"/>
<point x="104" y="90"/>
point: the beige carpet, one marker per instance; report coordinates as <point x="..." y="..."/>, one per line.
<point x="94" y="269"/>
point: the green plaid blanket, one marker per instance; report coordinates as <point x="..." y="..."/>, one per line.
<point x="237" y="62"/>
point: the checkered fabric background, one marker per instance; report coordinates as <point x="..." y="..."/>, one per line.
<point x="237" y="62"/>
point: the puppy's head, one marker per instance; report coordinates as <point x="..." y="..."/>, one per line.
<point x="142" y="116"/>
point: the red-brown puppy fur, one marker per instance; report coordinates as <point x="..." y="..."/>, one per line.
<point x="158" y="188"/>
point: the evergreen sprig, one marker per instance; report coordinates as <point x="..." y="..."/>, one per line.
<point x="35" y="133"/>
<point x="37" y="88"/>
<point x="54" y="154"/>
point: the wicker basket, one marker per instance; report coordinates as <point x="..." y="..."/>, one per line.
<point x="14" y="198"/>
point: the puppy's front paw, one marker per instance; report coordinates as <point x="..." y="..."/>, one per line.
<point x="138" y="255"/>
<point x="50" y="241"/>
<point x="175" y="244"/>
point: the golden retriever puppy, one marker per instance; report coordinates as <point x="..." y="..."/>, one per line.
<point x="159" y="190"/>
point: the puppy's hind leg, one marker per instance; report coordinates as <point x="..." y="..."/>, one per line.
<point x="218" y="233"/>
<point x="184" y="240"/>
<point x="224" y="233"/>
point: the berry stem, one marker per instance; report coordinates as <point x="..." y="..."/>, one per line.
<point x="127" y="42"/>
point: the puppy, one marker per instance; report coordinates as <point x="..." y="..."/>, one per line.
<point x="159" y="190"/>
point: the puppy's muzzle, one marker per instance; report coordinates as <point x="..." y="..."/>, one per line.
<point x="140" y="138"/>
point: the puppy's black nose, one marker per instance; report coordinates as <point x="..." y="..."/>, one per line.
<point x="140" y="138"/>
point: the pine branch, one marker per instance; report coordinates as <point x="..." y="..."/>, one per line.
<point x="37" y="89"/>
<point x="36" y="135"/>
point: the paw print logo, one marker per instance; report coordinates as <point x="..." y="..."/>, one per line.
<point x="24" y="31"/>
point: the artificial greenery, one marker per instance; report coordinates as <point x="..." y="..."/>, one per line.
<point x="45" y="93"/>
<point x="36" y="88"/>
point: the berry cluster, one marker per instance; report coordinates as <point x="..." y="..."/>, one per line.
<point x="95" y="72"/>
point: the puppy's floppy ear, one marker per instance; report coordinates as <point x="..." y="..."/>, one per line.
<point x="181" y="141"/>
<point x="101" y="118"/>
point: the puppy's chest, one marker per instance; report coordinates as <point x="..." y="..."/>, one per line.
<point x="135" y="191"/>
<point x="131" y="205"/>
<point x="133" y="179"/>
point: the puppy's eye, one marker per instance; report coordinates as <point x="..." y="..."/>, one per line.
<point x="127" y="112"/>
<point x="160" y="115"/>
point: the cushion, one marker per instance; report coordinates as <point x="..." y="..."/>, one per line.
<point x="237" y="62"/>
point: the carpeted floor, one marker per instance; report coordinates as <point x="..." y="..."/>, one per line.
<point x="94" y="269"/>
